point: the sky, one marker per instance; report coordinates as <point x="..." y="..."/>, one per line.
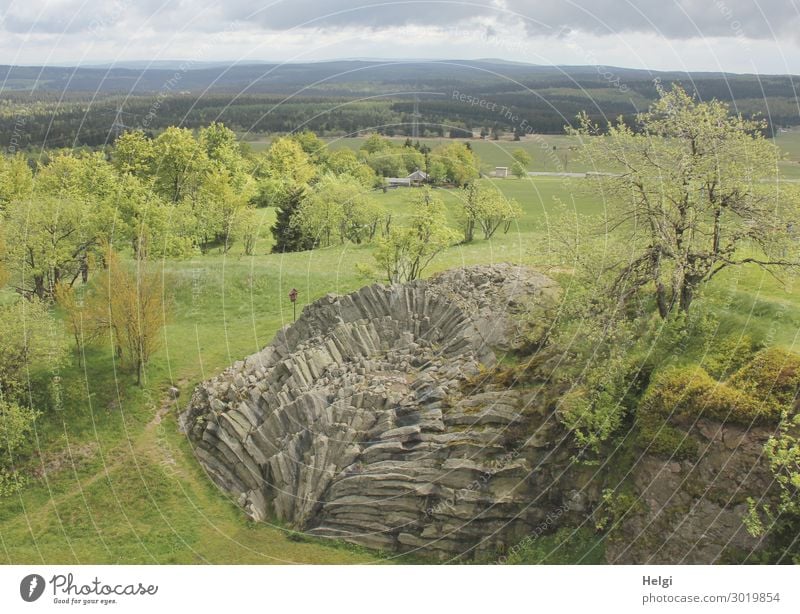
<point x="743" y="36"/>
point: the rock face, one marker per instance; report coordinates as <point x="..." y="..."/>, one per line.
<point x="369" y="420"/>
<point x="359" y="422"/>
<point x="691" y="511"/>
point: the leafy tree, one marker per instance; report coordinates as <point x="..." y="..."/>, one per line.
<point x="86" y="177"/>
<point x="376" y="143"/>
<point x="485" y="207"/>
<point x="315" y="148"/>
<point x="339" y="206"/>
<point x="407" y="251"/>
<point x="688" y="197"/>
<point x="412" y="159"/>
<point x="285" y="160"/>
<point x="179" y="164"/>
<point x="150" y="224"/>
<point x="218" y="210"/>
<point x="249" y="229"/>
<point x="134" y="154"/>
<point x="459" y="165"/>
<point x="522" y="157"/>
<point x="130" y="305"/>
<point x="16" y="179"/>
<point x="288" y="237"/>
<point x="29" y="341"/>
<point x="387" y="163"/>
<point x="224" y="154"/>
<point x="16" y="425"/>
<point x="345" y="162"/>
<point x="49" y="239"/>
<point x="521" y="162"/>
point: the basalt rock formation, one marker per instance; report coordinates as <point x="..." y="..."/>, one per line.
<point x="370" y="420"/>
<point x="692" y="511"/>
<point x="359" y="422"/>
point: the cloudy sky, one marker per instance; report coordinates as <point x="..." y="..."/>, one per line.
<point x="761" y="36"/>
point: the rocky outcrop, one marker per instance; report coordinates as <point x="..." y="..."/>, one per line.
<point x="360" y="421"/>
<point x="692" y="511"/>
<point x="370" y="420"/>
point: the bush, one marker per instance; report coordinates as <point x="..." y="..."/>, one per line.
<point x="728" y="356"/>
<point x="759" y="392"/>
<point x="11" y="482"/>
<point x="773" y="373"/>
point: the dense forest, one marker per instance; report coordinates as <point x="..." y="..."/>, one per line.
<point x="66" y="107"/>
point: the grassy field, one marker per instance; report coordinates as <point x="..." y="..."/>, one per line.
<point x="553" y="153"/>
<point x="117" y="483"/>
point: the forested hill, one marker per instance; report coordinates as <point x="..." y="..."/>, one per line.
<point x="63" y="106"/>
<point x="350" y="76"/>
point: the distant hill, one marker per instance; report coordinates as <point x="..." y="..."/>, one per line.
<point x="65" y="106"/>
<point x="334" y="76"/>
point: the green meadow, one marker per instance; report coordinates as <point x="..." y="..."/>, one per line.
<point x="116" y="482"/>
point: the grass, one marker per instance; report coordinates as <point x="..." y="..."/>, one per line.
<point x="551" y="152"/>
<point x="117" y="482"/>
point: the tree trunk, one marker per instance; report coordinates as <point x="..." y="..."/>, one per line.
<point x="687" y="295"/>
<point x="661" y="300"/>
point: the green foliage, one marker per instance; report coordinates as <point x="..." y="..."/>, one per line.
<point x="691" y="198"/>
<point x="454" y="163"/>
<point x="376" y="143"/>
<point x="16" y="426"/>
<point x="315" y="148"/>
<point x="774" y="374"/>
<point x="338" y="208"/>
<point x="407" y="251"/>
<point x="134" y="154"/>
<point x="49" y="239"/>
<point x="16" y="179"/>
<point x="11" y="482"/>
<point x="286" y="160"/>
<point x="613" y="509"/>
<point x="567" y="546"/>
<point x="728" y="355"/>
<point x="522" y="157"/>
<point x="29" y="342"/>
<point x="288" y="236"/>
<point x="484" y="206"/>
<point x="522" y="160"/>
<point x="780" y="523"/>
<point x="758" y="393"/>
<point x="179" y="164"/>
<point x="345" y="162"/>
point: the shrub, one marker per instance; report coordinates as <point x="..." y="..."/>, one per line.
<point x="759" y="392"/>
<point x="773" y="373"/>
<point x="728" y="356"/>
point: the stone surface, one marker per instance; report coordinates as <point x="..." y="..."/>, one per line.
<point x="364" y="421"/>
<point x="691" y="512"/>
<point x="357" y="422"/>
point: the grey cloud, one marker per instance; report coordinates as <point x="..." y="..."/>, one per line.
<point x="677" y="19"/>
